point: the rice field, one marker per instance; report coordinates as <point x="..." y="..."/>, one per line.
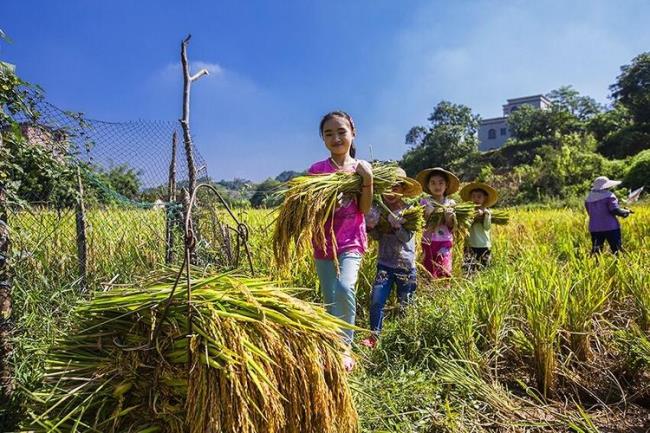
<point x="547" y="339"/>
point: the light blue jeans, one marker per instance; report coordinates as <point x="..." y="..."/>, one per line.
<point x="339" y="292"/>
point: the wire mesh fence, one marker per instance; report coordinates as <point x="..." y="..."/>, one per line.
<point x="131" y="220"/>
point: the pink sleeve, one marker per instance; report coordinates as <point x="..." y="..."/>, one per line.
<point x="319" y="167"/>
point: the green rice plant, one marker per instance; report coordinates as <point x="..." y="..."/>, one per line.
<point x="635" y="280"/>
<point x="122" y="243"/>
<point x="309" y="204"/>
<point x="634" y="346"/>
<point x="544" y="295"/>
<point x="500" y="217"/>
<point x="493" y="290"/>
<point x="588" y="296"/>
<point x="256" y="359"/>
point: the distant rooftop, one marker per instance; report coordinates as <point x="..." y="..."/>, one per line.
<point x="528" y="98"/>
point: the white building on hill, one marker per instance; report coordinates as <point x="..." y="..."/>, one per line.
<point x="492" y="133"/>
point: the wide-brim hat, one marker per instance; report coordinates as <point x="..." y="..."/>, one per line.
<point x="452" y="181"/>
<point x="492" y="195"/>
<point x="602" y="183"/>
<point x="410" y="186"/>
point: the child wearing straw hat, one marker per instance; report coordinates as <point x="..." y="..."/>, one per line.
<point x="479" y="243"/>
<point x="437" y="242"/>
<point x="395" y="254"/>
<point x="602" y="207"/>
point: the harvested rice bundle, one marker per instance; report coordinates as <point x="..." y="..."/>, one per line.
<point x="464" y="212"/>
<point x="309" y="202"/>
<point x="500" y="217"/>
<point x="259" y="360"/>
<point x="412" y="217"/>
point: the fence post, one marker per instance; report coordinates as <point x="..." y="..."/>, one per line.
<point x="82" y="245"/>
<point x="6" y="324"/>
<point x="171" y="216"/>
<point x="185" y="120"/>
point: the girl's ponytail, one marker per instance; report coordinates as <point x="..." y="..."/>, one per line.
<point x="353" y="150"/>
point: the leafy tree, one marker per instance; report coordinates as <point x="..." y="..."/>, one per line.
<point x="607" y="122"/>
<point x="569" y="99"/>
<point x="264" y="194"/>
<point x="565" y="171"/>
<point x="529" y="123"/>
<point x="450" y="136"/>
<point x="30" y="172"/>
<point x="416" y="135"/>
<point x="632" y="89"/>
<point x="625" y="142"/>
<point x="287" y="175"/>
<point x="639" y="173"/>
<point x="237" y="184"/>
<point x="124" y="180"/>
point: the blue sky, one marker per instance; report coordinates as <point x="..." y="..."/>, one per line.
<point x="278" y="66"/>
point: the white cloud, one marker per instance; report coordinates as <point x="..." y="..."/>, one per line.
<point x="212" y="68"/>
<point x="172" y="71"/>
<point x="240" y="127"/>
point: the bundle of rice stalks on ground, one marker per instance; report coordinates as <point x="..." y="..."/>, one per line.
<point x="258" y="360"/>
<point x="310" y="201"/>
<point x="412" y="219"/>
<point x="465" y="213"/>
<point x="500" y="217"/>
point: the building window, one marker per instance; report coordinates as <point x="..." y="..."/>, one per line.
<point x="512" y="110"/>
<point x="492" y="134"/>
<point x="503" y="131"/>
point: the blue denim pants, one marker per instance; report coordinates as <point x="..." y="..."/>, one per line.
<point x="339" y="291"/>
<point x="405" y="283"/>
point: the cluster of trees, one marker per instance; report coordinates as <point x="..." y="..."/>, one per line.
<point x="43" y="173"/>
<point x="553" y="153"/>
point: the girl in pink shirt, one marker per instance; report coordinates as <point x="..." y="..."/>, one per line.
<point x="348" y="222"/>
<point x="437" y="242"/>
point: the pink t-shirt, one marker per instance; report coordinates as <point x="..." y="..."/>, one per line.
<point x="349" y="222"/>
<point x="441" y="233"/>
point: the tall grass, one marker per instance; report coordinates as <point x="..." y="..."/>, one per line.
<point x="543" y="304"/>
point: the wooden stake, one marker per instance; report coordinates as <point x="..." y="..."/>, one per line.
<point x="82" y="245"/>
<point x="171" y="202"/>
<point x="7" y="385"/>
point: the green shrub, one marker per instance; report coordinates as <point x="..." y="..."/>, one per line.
<point x="625" y="142"/>
<point x="639" y="172"/>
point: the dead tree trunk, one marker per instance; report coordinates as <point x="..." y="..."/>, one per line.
<point x="185" y="120"/>
<point x="6" y="324"/>
<point x="171" y="205"/>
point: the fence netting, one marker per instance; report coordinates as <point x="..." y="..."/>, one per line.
<point x="130" y="224"/>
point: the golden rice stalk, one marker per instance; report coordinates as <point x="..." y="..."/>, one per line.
<point x="258" y="360"/>
<point x="413" y="219"/>
<point x="500" y="217"/>
<point x="465" y="213"/>
<point x="310" y="202"/>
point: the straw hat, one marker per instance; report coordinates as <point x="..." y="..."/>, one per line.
<point x="452" y="181"/>
<point x="411" y="187"/>
<point x="602" y="183"/>
<point x="492" y="194"/>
